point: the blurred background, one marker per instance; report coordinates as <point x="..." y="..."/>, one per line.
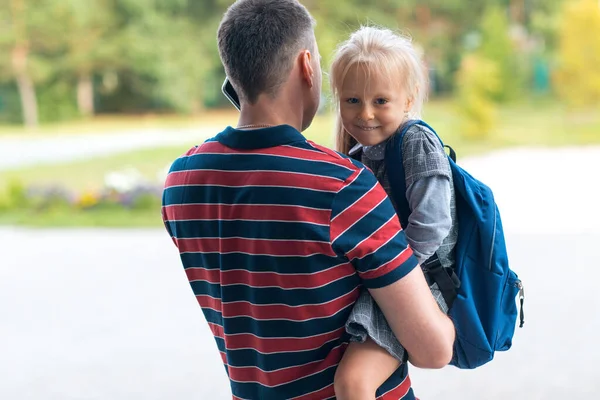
<point x="115" y="87"/>
<point x="97" y="98"/>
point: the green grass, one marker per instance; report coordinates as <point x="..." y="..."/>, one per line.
<point x="89" y="174"/>
<point x="524" y="124"/>
<point x="118" y="123"/>
<point x="116" y="218"/>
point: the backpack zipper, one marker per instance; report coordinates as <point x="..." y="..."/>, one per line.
<point x="519" y="285"/>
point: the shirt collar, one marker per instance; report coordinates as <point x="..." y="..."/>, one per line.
<point x="375" y="153"/>
<point x="259" y="138"/>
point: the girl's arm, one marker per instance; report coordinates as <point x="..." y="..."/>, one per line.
<point x="430" y="220"/>
<point x="364" y="367"/>
<point x="428" y="180"/>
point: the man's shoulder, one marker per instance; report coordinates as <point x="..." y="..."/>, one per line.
<point x="354" y="166"/>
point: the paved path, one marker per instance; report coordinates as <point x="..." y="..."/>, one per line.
<point x="20" y="152"/>
<point x="108" y="314"/>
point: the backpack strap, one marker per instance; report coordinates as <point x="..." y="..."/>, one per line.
<point x="445" y="277"/>
<point x="395" y="171"/>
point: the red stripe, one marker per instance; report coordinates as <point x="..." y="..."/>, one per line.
<point x="209" y="302"/>
<point x="398" y="392"/>
<point x="380" y="237"/>
<point x="324" y="393"/>
<point x="281" y="311"/>
<point x="203" y="274"/>
<point x="284" y="151"/>
<point x="249" y="212"/>
<point x="253" y="178"/>
<point x="254" y="246"/>
<point x="217" y="330"/>
<point x="356" y="211"/>
<point x="271" y="279"/>
<point x="286" y="375"/>
<point x="332" y="153"/>
<point x="223" y="357"/>
<point x="389" y="266"/>
<point x="275" y="345"/>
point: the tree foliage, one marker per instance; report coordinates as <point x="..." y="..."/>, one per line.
<point x="578" y="72"/>
<point x="67" y="57"/>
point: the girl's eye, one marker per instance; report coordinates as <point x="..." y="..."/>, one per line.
<point x="352" y="100"/>
<point x="381" y="101"/>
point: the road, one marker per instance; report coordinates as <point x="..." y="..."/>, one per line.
<point x="108" y="314"/>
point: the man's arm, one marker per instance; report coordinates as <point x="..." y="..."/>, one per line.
<point x="365" y="229"/>
<point x="424" y="330"/>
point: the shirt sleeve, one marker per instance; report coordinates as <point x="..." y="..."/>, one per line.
<point x="430" y="220"/>
<point x="365" y="229"/>
<point x="423" y="155"/>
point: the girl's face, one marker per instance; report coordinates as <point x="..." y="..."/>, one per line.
<point x="372" y="107"/>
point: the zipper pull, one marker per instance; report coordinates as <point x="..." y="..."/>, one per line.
<point x="521" y="300"/>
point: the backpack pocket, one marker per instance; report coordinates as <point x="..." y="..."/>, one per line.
<point x="508" y="312"/>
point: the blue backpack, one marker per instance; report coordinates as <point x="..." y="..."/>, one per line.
<point x="481" y="288"/>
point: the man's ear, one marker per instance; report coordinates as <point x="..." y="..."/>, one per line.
<point x="306" y="67"/>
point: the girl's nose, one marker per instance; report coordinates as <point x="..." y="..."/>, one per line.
<point x="366" y="113"/>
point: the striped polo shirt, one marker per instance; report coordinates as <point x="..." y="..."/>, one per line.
<point x="277" y="236"/>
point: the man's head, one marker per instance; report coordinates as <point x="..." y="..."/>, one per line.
<point x="261" y="42"/>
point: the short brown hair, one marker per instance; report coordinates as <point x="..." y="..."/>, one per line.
<point x="258" y="40"/>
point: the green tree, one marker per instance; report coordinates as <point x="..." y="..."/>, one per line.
<point x="577" y="77"/>
<point x="498" y="47"/>
<point x="90" y="43"/>
<point x="24" y="36"/>
<point x="166" y="49"/>
<point x="477" y="83"/>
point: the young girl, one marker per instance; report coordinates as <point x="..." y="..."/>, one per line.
<point x="379" y="83"/>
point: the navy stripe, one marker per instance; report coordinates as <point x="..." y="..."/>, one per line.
<point x="395" y="379"/>
<point x="221" y="345"/>
<point x="294" y="389"/>
<point x="284" y="328"/>
<point x="250" y="230"/>
<point x="262" y="263"/>
<point x="257" y="195"/>
<point x="290" y="297"/>
<point x="205" y="288"/>
<point x="275" y="361"/>
<point x="392" y="276"/>
<point x="213" y="316"/>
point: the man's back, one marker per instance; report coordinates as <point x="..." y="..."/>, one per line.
<point x="266" y="224"/>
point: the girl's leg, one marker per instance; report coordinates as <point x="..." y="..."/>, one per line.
<point x="364" y="367"/>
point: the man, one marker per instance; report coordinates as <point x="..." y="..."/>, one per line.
<point x="278" y="235"/>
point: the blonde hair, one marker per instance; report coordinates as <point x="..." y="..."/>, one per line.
<point x="389" y="54"/>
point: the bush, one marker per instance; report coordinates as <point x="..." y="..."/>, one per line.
<point x="577" y="78"/>
<point x="498" y="47"/>
<point x="15" y="196"/>
<point x="477" y="84"/>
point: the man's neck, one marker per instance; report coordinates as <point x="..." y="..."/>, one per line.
<point x="271" y="112"/>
